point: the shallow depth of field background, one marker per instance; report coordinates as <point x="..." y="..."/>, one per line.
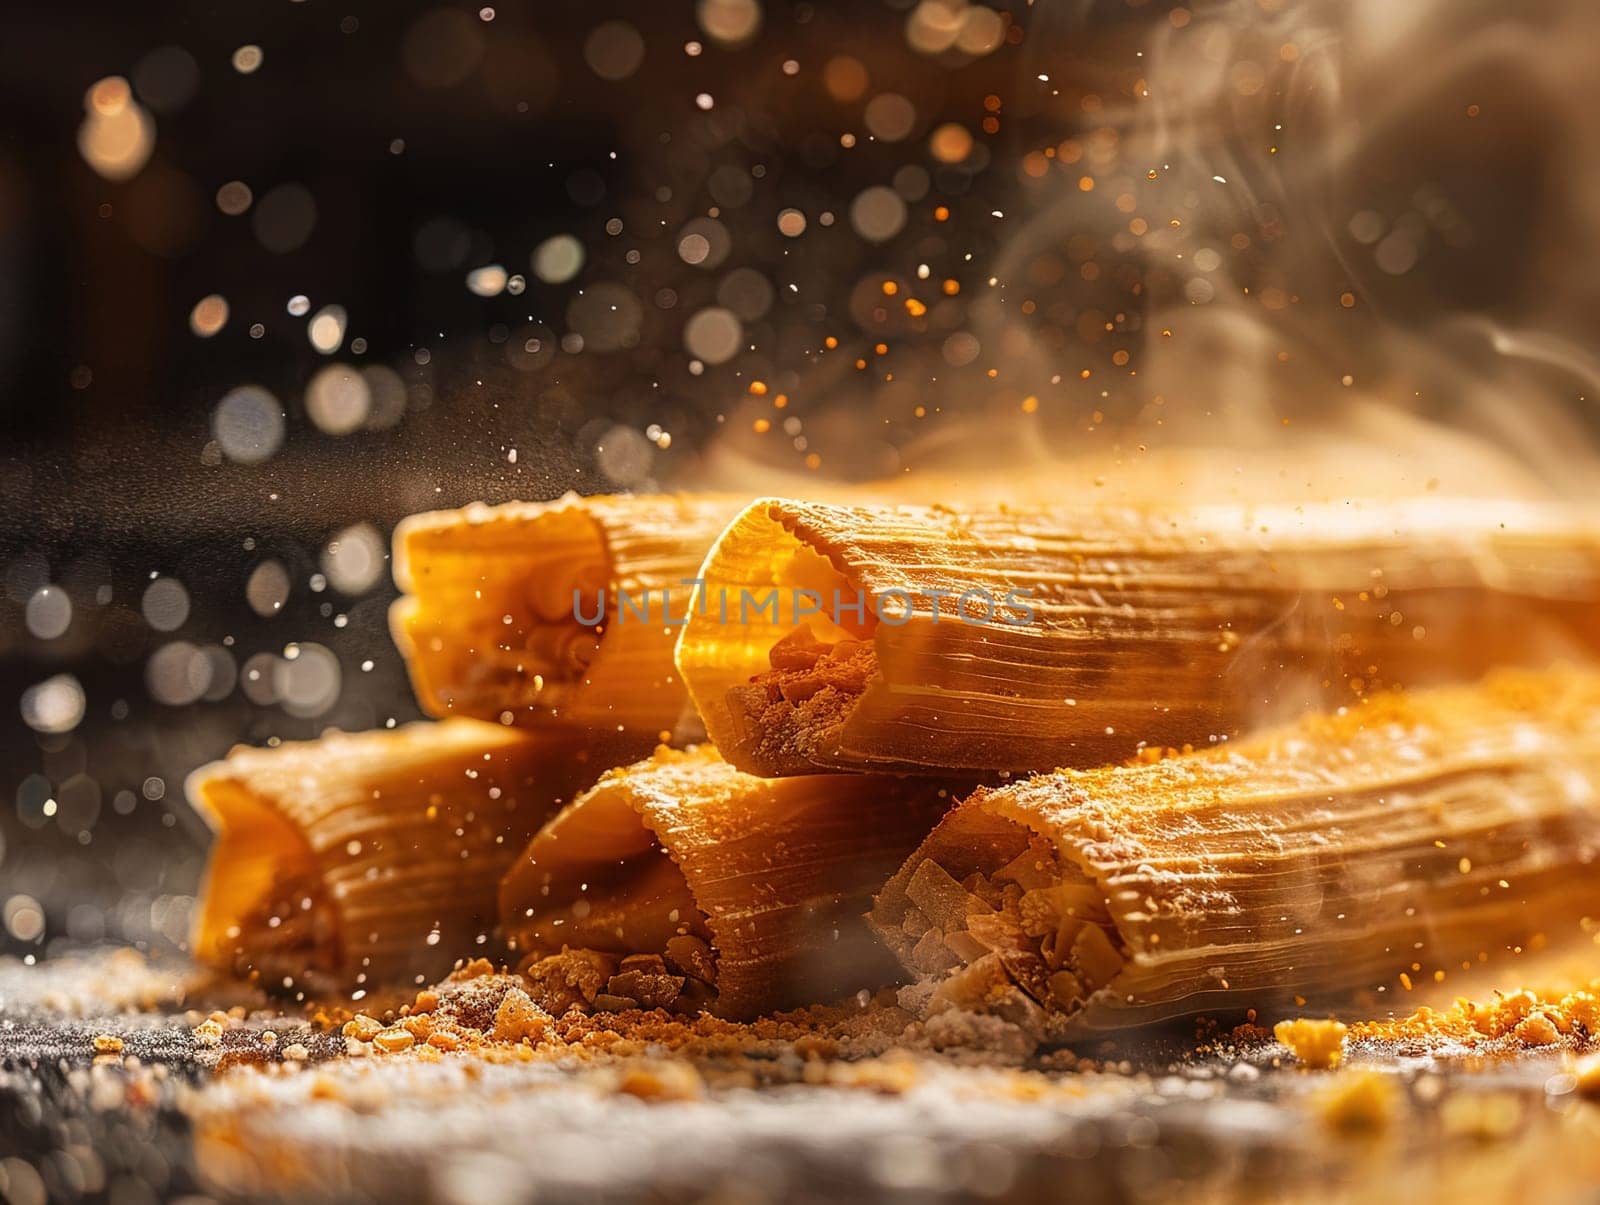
<point x="274" y="276"/>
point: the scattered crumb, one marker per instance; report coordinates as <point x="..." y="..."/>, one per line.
<point x="661" y="1081"/>
<point x="296" y="1053"/>
<point x="1526" y="1018"/>
<point x="392" y="1041"/>
<point x="1358" y="1102"/>
<point x="1314" y="1044"/>
<point x="105" y="1043"/>
<point x="208" y="1033"/>
<point x="519" y="1018"/>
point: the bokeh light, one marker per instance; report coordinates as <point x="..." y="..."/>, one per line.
<point x="338" y="399"/>
<point x="55" y="705"/>
<point x="327" y="328"/>
<point x="165" y="604"/>
<point x="614" y="50"/>
<point x="713" y="335"/>
<point x="878" y="214"/>
<point x="558" y="259"/>
<point x="728" y="22"/>
<point x="354" y="559"/>
<point x="117" y="136"/>
<point x="210" y="315"/>
<point x="248" y="424"/>
<point x="48" y="614"/>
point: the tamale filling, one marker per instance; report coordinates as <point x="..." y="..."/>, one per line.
<point x="631" y="935"/>
<point x="1020" y="935"/>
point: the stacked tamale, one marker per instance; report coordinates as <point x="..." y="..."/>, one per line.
<point x="1099" y="765"/>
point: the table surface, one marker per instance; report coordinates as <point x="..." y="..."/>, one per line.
<point x="168" y="1118"/>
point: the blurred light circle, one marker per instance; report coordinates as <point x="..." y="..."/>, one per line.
<point x="982" y="31"/>
<point x="55" y="705"/>
<point x="284" y="219"/>
<point x="558" y="259"/>
<point x="267" y="589"/>
<point x="487" y="281"/>
<point x="259" y="679"/>
<point x="210" y="315"/>
<point x="746" y="292"/>
<point x="878" y="213"/>
<point x="890" y="116"/>
<point x="307" y="679"/>
<point x="713" y="335"/>
<point x="234" y="197"/>
<point x="247" y="60"/>
<point x="950" y="143"/>
<point x="704" y="242"/>
<point x="338" y="399"/>
<point x="606" y="316"/>
<point x="48" y="613"/>
<point x="223" y="672"/>
<point x="961" y="348"/>
<point x="327" y="327"/>
<point x="299" y="306"/>
<point x="1397" y="254"/>
<point x="934" y="25"/>
<point x="24" y="919"/>
<point x="442" y="48"/>
<point x="625" y="456"/>
<point x="693" y="248"/>
<point x="248" y="424"/>
<point x="165" y="604"/>
<point x="791" y="223"/>
<point x="613" y="50"/>
<point x="844" y="77"/>
<point x="166" y="78"/>
<point x="911" y="181"/>
<point x="730" y="22"/>
<point x="117" y="135"/>
<point x="354" y="559"/>
<point x="387" y="397"/>
<point x="177" y="674"/>
<point x="34" y="795"/>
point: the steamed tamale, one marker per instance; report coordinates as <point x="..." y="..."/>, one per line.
<point x="1397" y="842"/>
<point x="374" y="856"/>
<point x="680" y="882"/>
<point x="559" y="612"/>
<point x="940" y="639"/>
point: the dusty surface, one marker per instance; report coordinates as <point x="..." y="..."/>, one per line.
<point x="121" y="1081"/>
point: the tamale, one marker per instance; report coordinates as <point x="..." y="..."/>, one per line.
<point x="557" y="612"/>
<point x="1398" y="841"/>
<point x="827" y="638"/>
<point x="680" y="882"/>
<point x="372" y="857"/>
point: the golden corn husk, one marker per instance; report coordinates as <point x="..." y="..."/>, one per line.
<point x="1389" y="845"/>
<point x="490" y="625"/>
<point x="374" y="856"/>
<point x="939" y="639"/>
<point x="681" y="883"/>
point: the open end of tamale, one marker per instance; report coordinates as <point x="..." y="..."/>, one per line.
<point x="802" y="657"/>
<point x="996" y="921"/>
<point x="266" y="914"/>
<point x="489" y="623"/>
<point x="597" y="886"/>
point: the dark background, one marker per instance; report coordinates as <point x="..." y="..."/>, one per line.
<point x="1162" y="226"/>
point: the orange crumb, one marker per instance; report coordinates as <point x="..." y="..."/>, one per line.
<point x="1318" y="1044"/>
